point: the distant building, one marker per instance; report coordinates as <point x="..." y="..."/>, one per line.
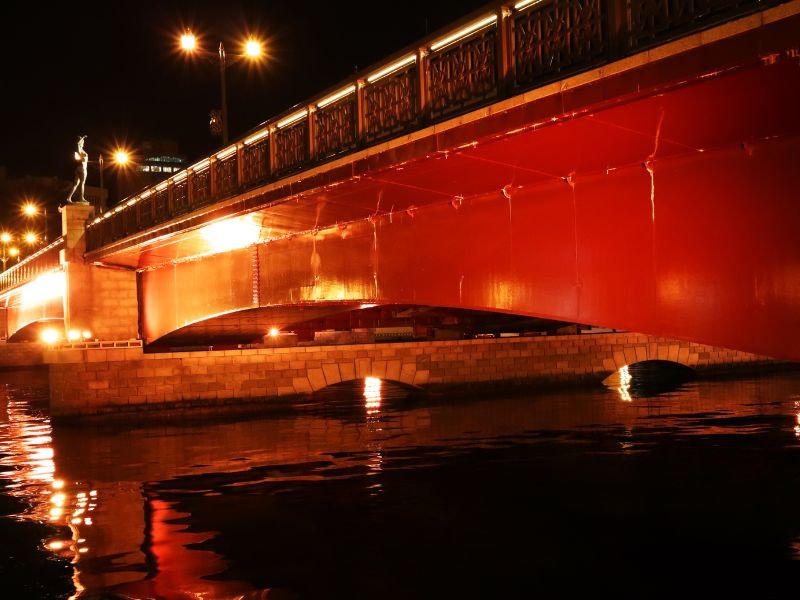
<point x="155" y="160"/>
<point x="160" y="159"/>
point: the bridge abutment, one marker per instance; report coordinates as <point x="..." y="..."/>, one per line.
<point x="97" y="298"/>
<point x="118" y="381"/>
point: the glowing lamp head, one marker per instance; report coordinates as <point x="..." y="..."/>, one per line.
<point x="274" y="332"/>
<point x="253" y="48"/>
<point x="188" y="42"/>
<point x="73" y="335"/>
<point x="13" y="251"/>
<point x="5" y="237"/>
<point x="31" y="238"/>
<point x="29" y="209"/>
<point x="121" y="157"/>
<point x="86" y="334"/>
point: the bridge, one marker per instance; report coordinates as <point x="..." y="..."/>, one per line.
<point x="621" y="163"/>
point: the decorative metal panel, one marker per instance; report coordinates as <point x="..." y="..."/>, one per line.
<point x="180" y="198"/>
<point x="161" y="205"/>
<point x="201" y="187"/>
<point x="557" y="37"/>
<point x="117" y="226"/>
<point x="145" y="210"/>
<point x="390" y="104"/>
<point x="656" y="20"/>
<point x="256" y="161"/>
<point x="463" y="74"/>
<point x="130" y="220"/>
<point x="225" y="174"/>
<point x="291" y="146"/>
<point x="107" y="231"/>
<point x="335" y="127"/>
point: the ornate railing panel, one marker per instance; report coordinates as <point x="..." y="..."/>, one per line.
<point x="503" y="51"/>
<point x="161" y="205"/>
<point x="390" y="104"/>
<point x="335" y="127"/>
<point x="200" y="188"/>
<point x="130" y="219"/>
<point x="291" y="146"/>
<point x="145" y="210"/>
<point x="118" y="226"/>
<point x="652" y="21"/>
<point x="463" y="75"/>
<point x="255" y="161"/>
<point x="556" y="37"/>
<point x="225" y="173"/>
<point x="180" y="198"/>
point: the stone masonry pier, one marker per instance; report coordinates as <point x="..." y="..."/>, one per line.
<point x="120" y="380"/>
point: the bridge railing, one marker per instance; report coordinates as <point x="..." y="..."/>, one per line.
<point x="42" y="261"/>
<point x="497" y="52"/>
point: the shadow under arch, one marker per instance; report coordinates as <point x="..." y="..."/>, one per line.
<point x="32" y="331"/>
<point x="649" y="378"/>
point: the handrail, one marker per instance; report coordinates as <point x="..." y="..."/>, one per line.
<point x="43" y="260"/>
<point x="496" y="52"/>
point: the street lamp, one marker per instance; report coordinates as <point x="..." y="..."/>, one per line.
<point x="119" y="157"/>
<point x="31" y="209"/>
<point x="5" y="239"/>
<point x="252" y="49"/>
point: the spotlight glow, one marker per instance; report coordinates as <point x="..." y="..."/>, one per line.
<point x="50" y="335"/>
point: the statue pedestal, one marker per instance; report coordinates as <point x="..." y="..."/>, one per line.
<point x="97" y="299"/>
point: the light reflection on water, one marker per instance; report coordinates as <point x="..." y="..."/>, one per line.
<point x="229" y="508"/>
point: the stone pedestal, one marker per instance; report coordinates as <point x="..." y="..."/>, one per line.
<point x="98" y="299"/>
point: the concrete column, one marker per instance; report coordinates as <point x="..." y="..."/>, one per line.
<point x="99" y="299"/>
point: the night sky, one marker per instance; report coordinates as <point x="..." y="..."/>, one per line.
<point x="112" y="70"/>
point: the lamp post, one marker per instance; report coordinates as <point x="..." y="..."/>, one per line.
<point x="252" y="50"/>
<point x="120" y="157"/>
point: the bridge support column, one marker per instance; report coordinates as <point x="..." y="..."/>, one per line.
<point x="98" y="299"/>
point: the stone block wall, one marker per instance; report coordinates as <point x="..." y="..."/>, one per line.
<point x="17" y="355"/>
<point x="96" y="381"/>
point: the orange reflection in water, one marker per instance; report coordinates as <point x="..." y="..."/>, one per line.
<point x="26" y="444"/>
<point x="181" y="572"/>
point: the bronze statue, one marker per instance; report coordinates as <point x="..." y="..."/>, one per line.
<point x="81" y="163"/>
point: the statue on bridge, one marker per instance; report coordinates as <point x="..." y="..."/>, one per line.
<point x="81" y="158"/>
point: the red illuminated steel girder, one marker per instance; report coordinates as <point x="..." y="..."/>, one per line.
<point x="677" y="216"/>
<point x="670" y="213"/>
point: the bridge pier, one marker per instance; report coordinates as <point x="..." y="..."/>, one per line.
<point x="97" y="298"/>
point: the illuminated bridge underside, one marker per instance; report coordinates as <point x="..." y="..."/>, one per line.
<point x="673" y="214"/>
<point x="34" y="305"/>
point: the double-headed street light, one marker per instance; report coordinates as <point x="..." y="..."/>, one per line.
<point x="30" y="210"/>
<point x="252" y="49"/>
<point x="10" y="250"/>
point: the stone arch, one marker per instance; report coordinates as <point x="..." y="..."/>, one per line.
<point x="31" y="332"/>
<point x="346" y="369"/>
<point x="665" y="350"/>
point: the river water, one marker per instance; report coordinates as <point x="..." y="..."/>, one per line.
<point x="368" y="491"/>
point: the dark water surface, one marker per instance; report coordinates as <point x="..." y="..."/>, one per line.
<point x="368" y="492"/>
